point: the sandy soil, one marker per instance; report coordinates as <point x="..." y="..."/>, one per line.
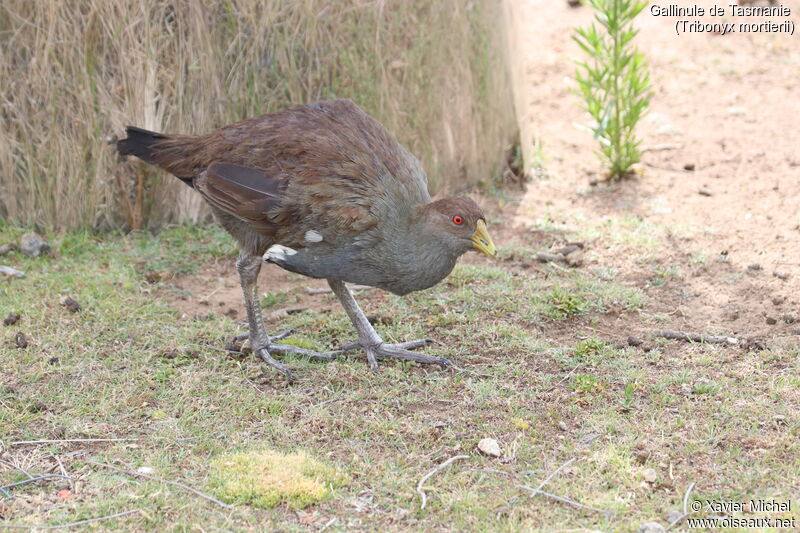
<point x="722" y="121"/>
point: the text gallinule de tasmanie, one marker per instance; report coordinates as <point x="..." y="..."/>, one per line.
<point x="323" y="190"/>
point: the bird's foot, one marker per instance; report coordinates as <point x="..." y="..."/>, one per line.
<point x="273" y="348"/>
<point x="400" y="350"/>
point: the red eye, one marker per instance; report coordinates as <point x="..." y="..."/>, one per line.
<point x="457" y="220"/>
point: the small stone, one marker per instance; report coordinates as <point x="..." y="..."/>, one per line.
<point x="71" y="304"/>
<point x="781" y="275"/>
<point x="650" y="475"/>
<point x="33" y="245"/>
<point x="689" y="167"/>
<point x="789" y="318"/>
<point x="21" y="340"/>
<point x="672" y="517"/>
<point x="772" y="320"/>
<point x="752" y="269"/>
<point x="778" y="300"/>
<point x="575" y="259"/>
<point x="53" y="361"/>
<point x="634" y="341"/>
<point x="145" y="470"/>
<point x="780" y="420"/>
<point x="490" y="447"/>
<point x="574" y="3"/>
<point x="11" y="319"/>
<point x="562" y="426"/>
<point x="705" y="192"/>
<point x="652" y="527"/>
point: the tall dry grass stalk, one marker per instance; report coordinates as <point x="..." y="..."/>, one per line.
<point x="73" y="73"/>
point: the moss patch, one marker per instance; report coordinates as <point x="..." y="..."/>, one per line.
<point x="268" y="478"/>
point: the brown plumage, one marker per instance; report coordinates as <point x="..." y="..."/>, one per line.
<point x="326" y="191"/>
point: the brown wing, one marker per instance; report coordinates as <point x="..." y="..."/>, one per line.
<point x="248" y="194"/>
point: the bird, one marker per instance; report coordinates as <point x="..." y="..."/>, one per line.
<point x="326" y="191"/>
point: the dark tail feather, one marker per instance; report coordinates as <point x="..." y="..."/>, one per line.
<point x="140" y="143"/>
<point x="172" y="153"/>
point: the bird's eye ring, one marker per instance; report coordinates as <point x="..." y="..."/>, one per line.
<point x="457" y="220"/>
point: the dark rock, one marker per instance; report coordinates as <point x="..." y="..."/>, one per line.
<point x="570" y="247"/>
<point x="778" y="300"/>
<point x="689" y="167"/>
<point x="53" y="361"/>
<point x="11" y="319"/>
<point x="781" y="275"/>
<point x="789" y="318"/>
<point x="705" y="192"/>
<point x="574" y="3"/>
<point x="33" y="245"/>
<point x="771" y="320"/>
<point x="634" y="341"/>
<point x="71" y="304"/>
<point x="21" y="340"/>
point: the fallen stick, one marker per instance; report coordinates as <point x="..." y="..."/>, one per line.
<point x="311" y="290"/>
<point x="694" y="337"/>
<point x="13" y="272"/>
<point x="570" y="501"/>
<point x="31" y="480"/>
<point x="168" y="482"/>
<point x="71" y="524"/>
<point x="538" y="489"/>
<point x="59" y="441"/>
<point x="427" y="476"/>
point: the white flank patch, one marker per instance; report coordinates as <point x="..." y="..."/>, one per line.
<point x="278" y="252"/>
<point x="313" y="236"/>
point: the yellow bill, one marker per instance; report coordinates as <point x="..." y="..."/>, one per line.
<point x="481" y="240"/>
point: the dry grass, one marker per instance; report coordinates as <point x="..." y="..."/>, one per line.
<point x="74" y="73"/>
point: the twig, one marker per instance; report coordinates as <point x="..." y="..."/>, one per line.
<point x="64" y="471"/>
<point x="427" y="476"/>
<point x="62" y="441"/>
<point x="15" y="467"/>
<point x="570" y="501"/>
<point x="312" y="290"/>
<point x="686" y="512"/>
<point x="686" y="498"/>
<point x="30" y="480"/>
<point x="694" y="337"/>
<point x="328" y="524"/>
<point x="538" y="489"/>
<point x="13" y="272"/>
<point x="72" y="524"/>
<point x="168" y="482"/>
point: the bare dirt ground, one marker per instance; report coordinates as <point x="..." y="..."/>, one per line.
<point x="722" y="179"/>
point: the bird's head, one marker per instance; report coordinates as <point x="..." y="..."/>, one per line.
<point x="457" y="223"/>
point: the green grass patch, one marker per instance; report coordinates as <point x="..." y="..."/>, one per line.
<point x="268" y="478"/>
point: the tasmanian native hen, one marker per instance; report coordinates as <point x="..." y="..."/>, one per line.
<point x="322" y="190"/>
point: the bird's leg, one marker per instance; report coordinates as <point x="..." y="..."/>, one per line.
<point x="248" y="267"/>
<point x="370" y="341"/>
